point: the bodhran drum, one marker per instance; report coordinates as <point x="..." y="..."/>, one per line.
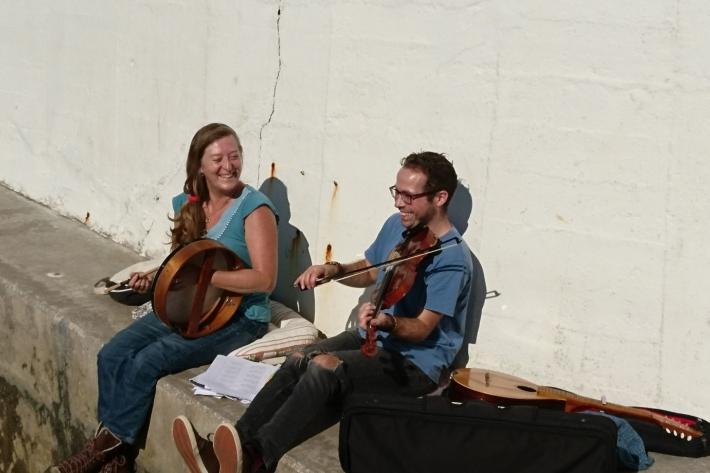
<point x="183" y="297"/>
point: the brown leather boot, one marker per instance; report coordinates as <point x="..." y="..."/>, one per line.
<point x="119" y="464"/>
<point x="97" y="451"/>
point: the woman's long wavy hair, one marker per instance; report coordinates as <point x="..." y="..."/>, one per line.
<point x="189" y="223"/>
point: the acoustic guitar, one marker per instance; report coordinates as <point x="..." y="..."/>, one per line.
<point x="504" y="389"/>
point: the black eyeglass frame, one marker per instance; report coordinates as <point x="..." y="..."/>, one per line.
<point x="406" y="197"/>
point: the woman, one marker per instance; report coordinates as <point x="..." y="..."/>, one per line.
<point x="218" y="205"/>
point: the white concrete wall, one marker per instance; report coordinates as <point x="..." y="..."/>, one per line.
<point x="579" y="129"/>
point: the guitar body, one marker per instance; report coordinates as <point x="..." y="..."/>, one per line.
<point x="498" y="388"/>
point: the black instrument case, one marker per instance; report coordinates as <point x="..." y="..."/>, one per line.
<point x="391" y="434"/>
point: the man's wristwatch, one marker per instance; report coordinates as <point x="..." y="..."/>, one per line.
<point x="339" y="267"/>
<point x="394" y="324"/>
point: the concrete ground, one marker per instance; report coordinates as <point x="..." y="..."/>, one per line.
<point x="53" y="326"/>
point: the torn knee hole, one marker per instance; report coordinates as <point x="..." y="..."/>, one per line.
<point x="327" y="361"/>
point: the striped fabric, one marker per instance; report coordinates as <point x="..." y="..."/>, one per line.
<point x="291" y="333"/>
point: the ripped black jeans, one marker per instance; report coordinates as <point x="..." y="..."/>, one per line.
<point x="304" y="398"/>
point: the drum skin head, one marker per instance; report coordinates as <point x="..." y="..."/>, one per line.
<point x="183" y="297"/>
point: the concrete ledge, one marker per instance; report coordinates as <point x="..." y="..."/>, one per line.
<point x="174" y="396"/>
<point x="54" y="326"/>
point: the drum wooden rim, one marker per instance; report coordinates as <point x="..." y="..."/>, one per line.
<point x="200" y="322"/>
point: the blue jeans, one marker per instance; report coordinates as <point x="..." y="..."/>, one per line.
<point x="132" y="362"/>
<point x="303" y="398"/>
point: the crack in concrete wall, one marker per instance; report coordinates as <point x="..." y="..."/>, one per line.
<point x="273" y="96"/>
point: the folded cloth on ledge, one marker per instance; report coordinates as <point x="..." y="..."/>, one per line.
<point x="291" y="333"/>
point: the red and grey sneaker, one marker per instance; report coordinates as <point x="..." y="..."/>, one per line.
<point x="228" y="449"/>
<point x="196" y="452"/>
<point x="232" y="457"/>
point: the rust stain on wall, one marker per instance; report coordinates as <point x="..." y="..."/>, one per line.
<point x="329" y="252"/>
<point x="335" y="190"/>
<point x="86" y="219"/>
<point x="273" y="169"/>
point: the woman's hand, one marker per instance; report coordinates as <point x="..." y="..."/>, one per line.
<point x="140" y="282"/>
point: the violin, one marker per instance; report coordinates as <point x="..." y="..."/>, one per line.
<point x="398" y="279"/>
<point x="400" y="273"/>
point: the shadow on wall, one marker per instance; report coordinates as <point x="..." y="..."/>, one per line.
<point x="294" y="256"/>
<point x="460" y="210"/>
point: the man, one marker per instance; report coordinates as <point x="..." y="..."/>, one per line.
<point x="418" y="337"/>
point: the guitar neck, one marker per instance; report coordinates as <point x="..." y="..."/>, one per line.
<point x="574" y="402"/>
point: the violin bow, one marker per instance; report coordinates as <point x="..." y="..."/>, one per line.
<point x="453" y="241"/>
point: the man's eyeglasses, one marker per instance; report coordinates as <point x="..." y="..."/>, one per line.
<point x="407" y="198"/>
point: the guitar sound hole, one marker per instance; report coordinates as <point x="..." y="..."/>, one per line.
<point x="527" y="389"/>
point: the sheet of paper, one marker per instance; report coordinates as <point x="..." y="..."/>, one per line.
<point x="198" y="391"/>
<point x="235" y="377"/>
